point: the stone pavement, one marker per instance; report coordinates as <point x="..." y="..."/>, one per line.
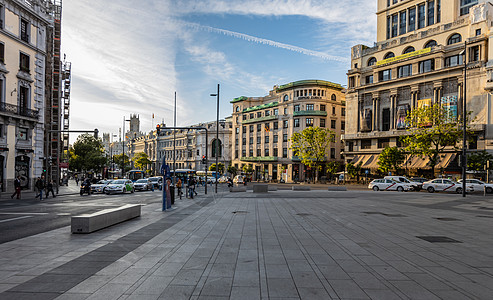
<point x="278" y="245"/>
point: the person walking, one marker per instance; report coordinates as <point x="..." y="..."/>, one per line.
<point x="179" y="185"/>
<point x="49" y="188"/>
<point x="76" y="179"/>
<point x="40" y="185"/>
<point x="17" y="186"/>
<point x="194" y="183"/>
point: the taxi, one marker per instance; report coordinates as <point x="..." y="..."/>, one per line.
<point x="384" y="184"/>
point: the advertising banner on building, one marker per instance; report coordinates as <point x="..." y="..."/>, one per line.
<point x="402" y="111"/>
<point x="449" y="104"/>
<point x="365" y="120"/>
<point x="422" y="104"/>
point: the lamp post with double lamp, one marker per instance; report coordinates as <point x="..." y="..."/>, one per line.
<point x="464" y="112"/>
<point x="123" y="147"/>
<point x="217" y="135"/>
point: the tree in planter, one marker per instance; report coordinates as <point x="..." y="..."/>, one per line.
<point x="87" y="153"/>
<point x="311" y="146"/>
<point x="390" y="159"/>
<point x="248" y="170"/>
<point x="141" y="161"/>
<point x="220" y="167"/>
<point x="431" y="129"/>
<point x="332" y="168"/>
<point x="353" y="170"/>
<point x="478" y="160"/>
<point x="123" y="161"/>
<point x="232" y="170"/>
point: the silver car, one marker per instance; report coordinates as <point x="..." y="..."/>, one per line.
<point x="100" y="186"/>
<point x="143" y="185"/>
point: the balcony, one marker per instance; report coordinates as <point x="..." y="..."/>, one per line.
<point x="259" y="158"/>
<point x="19" y="110"/>
<point x="261" y="119"/>
<point x="310" y="113"/>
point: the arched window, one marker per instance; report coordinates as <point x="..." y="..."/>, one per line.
<point x="237" y="108"/>
<point x="454" y="39"/>
<point x="214" y="147"/>
<point x="286" y="98"/>
<point x="389" y="55"/>
<point x="372" y="61"/>
<point x="409" y="50"/>
<point x="333" y="97"/>
<point x="430" y="44"/>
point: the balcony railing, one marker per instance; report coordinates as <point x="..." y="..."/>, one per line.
<point x="19" y="110"/>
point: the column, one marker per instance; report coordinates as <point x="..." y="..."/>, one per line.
<point x="393" y="99"/>
<point x="374" y="115"/>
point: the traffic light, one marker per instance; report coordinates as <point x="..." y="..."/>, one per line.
<point x="96" y="131"/>
<point x="204" y="159"/>
<point x="158" y="129"/>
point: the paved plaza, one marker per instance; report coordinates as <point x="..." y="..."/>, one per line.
<point x="277" y="245"/>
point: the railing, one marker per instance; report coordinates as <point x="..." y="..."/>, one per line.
<point x="19" y="110"/>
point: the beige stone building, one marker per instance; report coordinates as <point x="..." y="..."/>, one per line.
<point x="418" y="59"/>
<point x="262" y="127"/>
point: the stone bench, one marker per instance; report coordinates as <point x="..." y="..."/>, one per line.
<point x="300" y="188"/>
<point x="260" y="188"/>
<point x="337" y="188"/>
<point x="236" y="189"/>
<point x="272" y="188"/>
<point x="88" y="223"/>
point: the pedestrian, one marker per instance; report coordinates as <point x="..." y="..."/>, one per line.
<point x="17" y="186"/>
<point x="194" y="183"/>
<point x="179" y="185"/>
<point x="40" y="185"/>
<point x="76" y="179"/>
<point x="49" y="188"/>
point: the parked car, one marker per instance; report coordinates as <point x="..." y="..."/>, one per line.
<point x="442" y="185"/>
<point x="475" y="185"/>
<point x="120" y="186"/>
<point x="419" y="179"/>
<point x="143" y="185"/>
<point x="223" y="179"/>
<point x="100" y="186"/>
<point x="157" y="182"/>
<point x="239" y="179"/>
<point x="414" y="184"/>
<point x="389" y="185"/>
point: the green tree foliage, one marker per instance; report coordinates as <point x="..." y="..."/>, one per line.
<point x="332" y="168"/>
<point x="248" y="169"/>
<point x="431" y="130"/>
<point x="353" y="170"/>
<point x="311" y="146"/>
<point x="87" y="153"/>
<point x="220" y="167"/>
<point x="390" y="159"/>
<point x="478" y="160"/>
<point x="122" y="160"/>
<point x="141" y="161"/>
<point x="232" y="170"/>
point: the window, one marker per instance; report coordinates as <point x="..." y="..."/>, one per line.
<point x="333" y="97"/>
<point x="430" y="44"/>
<point x="259" y="152"/>
<point x="296" y="122"/>
<point x="25" y="28"/>
<point x="244" y="129"/>
<point x="236" y="153"/>
<point x="454" y="39"/>
<point x="322" y="123"/>
<point x="431" y="13"/>
<point x="259" y="114"/>
<point x="297" y="107"/>
<point x="333" y="110"/>
<point x="389" y="55"/>
<point x="343" y="125"/>
<point x="236" y="142"/>
<point x="276" y="111"/>
<point x="372" y="61"/>
<point x="285" y="138"/>
<point x="276" y="125"/>
<point x="351" y="81"/>
<point x="332" y="153"/>
<point x="275" y="152"/>
<point x="369" y="79"/>
<point x="251" y="128"/>
<point x="309" y="122"/>
<point x="284" y="152"/>
<point x="421" y="16"/>
<point x="402" y="22"/>
<point x="22" y="134"/>
<point x="409" y="50"/>
<point x="478" y="32"/>
<point x="259" y="140"/>
<point x="333" y="124"/>
<point x="382" y="143"/>
<point x="250" y="152"/>
<point x="395" y="20"/>
<point x="411" y="26"/>
<point x="285" y="110"/>
<point x="386" y="119"/>
<point x="453" y="61"/>
<point x="384" y="75"/>
<point x="266" y="152"/>
<point x="310" y="107"/>
<point x="266" y="139"/>
<point x="286" y="98"/>
<point x="438" y="11"/>
<point x="474" y="53"/>
<point x="237" y="109"/>
<point x="24" y="62"/>
<point x="465" y="5"/>
<point x="322" y="107"/>
<point x="251" y="116"/>
<point x="267" y="113"/>
<point x="404" y="71"/>
<point x="285" y="124"/>
<point x="2" y="52"/>
<point x="343" y="111"/>
<point x="259" y="127"/>
<point x="389" y="25"/>
<point x="365" y="144"/>
<point x="275" y="138"/>
<point x="243" y="141"/>
<point x="244" y="117"/>
<point x="426" y="66"/>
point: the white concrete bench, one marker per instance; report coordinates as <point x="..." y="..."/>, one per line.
<point x="336" y="188"/>
<point x="236" y="189"/>
<point x="300" y="188"/>
<point x="272" y="188"/>
<point x="260" y="188"/>
<point x="88" y="223"/>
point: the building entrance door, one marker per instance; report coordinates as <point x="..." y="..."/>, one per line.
<point x="22" y="166"/>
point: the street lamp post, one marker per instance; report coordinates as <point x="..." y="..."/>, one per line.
<point x="217" y="134"/>
<point x="464" y="132"/>
<point x="123" y="147"/>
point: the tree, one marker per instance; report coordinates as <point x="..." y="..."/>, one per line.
<point x="232" y="170"/>
<point x="390" y="159"/>
<point x="141" y="160"/>
<point x="248" y="169"/>
<point x="87" y="154"/>
<point x="311" y="146"/>
<point x="353" y="170"/>
<point x="123" y="161"/>
<point x="478" y="160"/>
<point x="431" y="130"/>
<point x="332" y="168"/>
<point x="220" y="167"/>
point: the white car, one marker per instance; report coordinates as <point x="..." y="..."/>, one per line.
<point x="415" y="185"/>
<point x="239" y="179"/>
<point x="475" y="185"/>
<point x="120" y="186"/>
<point x="389" y="185"/>
<point x="143" y="185"/>
<point x="442" y="185"/>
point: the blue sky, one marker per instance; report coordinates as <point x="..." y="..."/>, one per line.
<point x="129" y="56"/>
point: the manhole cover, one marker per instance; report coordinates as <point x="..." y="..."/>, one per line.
<point x="383" y="214"/>
<point x="438" y="239"/>
<point x="240" y="212"/>
<point x="303" y="214"/>
<point x="448" y="219"/>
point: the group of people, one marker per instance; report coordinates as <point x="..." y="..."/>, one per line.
<point x="40" y="186"/>
<point x="191" y="184"/>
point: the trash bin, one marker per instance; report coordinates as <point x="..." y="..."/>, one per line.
<point x="172" y="193"/>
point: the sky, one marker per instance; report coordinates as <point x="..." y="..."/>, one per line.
<point x="131" y="56"/>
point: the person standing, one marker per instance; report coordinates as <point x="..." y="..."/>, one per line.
<point x="17" y="186"/>
<point x="49" y="188"/>
<point x="76" y="179"/>
<point x="40" y="185"/>
<point x="179" y="185"/>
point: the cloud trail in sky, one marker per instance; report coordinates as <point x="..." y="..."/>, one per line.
<point x="258" y="40"/>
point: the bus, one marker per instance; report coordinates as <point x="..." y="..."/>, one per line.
<point x="182" y="173"/>
<point x="209" y="174"/>
<point x="135" y="175"/>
